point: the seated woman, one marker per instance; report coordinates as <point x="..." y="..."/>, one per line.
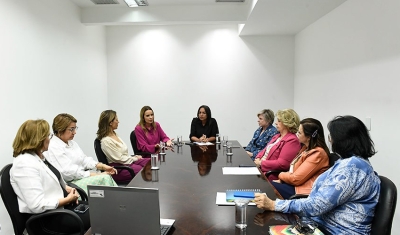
<point x="204" y="128"/>
<point x="263" y="134"/>
<point x="149" y="133"/>
<point x="311" y="161"/>
<point x="344" y="197"/>
<point x="283" y="147"/>
<point x="115" y="148"/>
<point x="66" y="155"/>
<point x="39" y="186"/>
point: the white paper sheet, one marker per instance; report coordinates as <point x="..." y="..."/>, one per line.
<point x="202" y="143"/>
<point x="240" y="171"/>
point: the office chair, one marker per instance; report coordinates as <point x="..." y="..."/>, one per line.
<point x="103" y="159"/>
<point x="136" y="151"/>
<point x="32" y="222"/>
<point x="384" y="210"/>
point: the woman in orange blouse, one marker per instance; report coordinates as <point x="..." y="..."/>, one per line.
<point x="311" y="161"/>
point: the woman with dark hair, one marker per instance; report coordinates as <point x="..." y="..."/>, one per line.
<point x="343" y="198"/>
<point x="149" y="132"/>
<point x="115" y="148"/>
<point x="39" y="185"/>
<point x="311" y="161"/>
<point x="204" y="128"/>
<point x="263" y="134"/>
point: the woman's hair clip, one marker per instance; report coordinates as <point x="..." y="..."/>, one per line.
<point x="315" y="133"/>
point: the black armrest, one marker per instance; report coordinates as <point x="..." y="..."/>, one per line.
<point x="298" y="196"/>
<point x="33" y="223"/>
<point x="144" y="154"/>
<point x="127" y="168"/>
<point x="81" y="192"/>
<point x="268" y="173"/>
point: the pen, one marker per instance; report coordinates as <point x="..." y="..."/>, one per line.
<point x="241" y="165"/>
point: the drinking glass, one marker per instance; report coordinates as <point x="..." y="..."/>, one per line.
<point x="154" y="160"/>
<point x="162" y="148"/>
<point x="224" y="140"/>
<point x="217" y="139"/>
<point x="179" y="140"/>
<point x="229" y="148"/>
<point x="241" y="212"/>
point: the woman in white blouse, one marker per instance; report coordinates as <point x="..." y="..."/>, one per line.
<point x="66" y="155"/>
<point x="115" y="148"/>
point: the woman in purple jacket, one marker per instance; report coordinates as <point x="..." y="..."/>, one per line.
<point x="283" y="147"/>
<point x="149" y="133"/>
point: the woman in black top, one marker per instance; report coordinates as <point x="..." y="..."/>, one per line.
<point x="204" y="128"/>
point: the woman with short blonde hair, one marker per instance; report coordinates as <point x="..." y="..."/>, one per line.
<point x="283" y="147"/>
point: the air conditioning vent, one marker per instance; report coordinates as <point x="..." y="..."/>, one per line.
<point x="142" y="3"/>
<point x="104" y="2"/>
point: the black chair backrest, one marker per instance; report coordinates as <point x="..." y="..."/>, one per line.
<point x="134" y="142"/>
<point x="384" y="211"/>
<point x="99" y="152"/>
<point x="332" y="159"/>
<point x="11" y="202"/>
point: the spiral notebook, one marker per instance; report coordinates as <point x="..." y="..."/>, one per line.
<point x="232" y="194"/>
<point x="221" y="198"/>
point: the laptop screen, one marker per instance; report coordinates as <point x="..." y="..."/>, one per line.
<point x="124" y="210"/>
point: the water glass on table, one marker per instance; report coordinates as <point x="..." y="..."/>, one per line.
<point x="179" y="141"/>
<point x="217" y="139"/>
<point x="229" y="151"/>
<point x="241" y="212"/>
<point x="154" y="161"/>
<point x="162" y="148"/>
<point x="224" y="140"/>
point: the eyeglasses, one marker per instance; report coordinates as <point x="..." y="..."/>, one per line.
<point x="51" y="135"/>
<point x="72" y="129"/>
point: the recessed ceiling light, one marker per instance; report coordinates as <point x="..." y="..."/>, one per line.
<point x="131" y="3"/>
<point x="136" y="3"/>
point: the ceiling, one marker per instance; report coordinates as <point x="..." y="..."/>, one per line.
<point x="258" y="17"/>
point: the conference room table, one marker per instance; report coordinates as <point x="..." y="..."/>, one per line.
<point x="188" y="180"/>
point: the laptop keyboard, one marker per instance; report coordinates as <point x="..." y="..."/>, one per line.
<point x="164" y="229"/>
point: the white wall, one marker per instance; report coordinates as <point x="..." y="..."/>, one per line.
<point x="49" y="63"/>
<point x="175" y="69"/>
<point x="348" y="63"/>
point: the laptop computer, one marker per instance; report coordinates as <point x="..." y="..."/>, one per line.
<point x="126" y="211"/>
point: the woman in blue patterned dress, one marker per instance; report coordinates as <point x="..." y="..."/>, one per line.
<point x="263" y="134"/>
<point x="343" y="199"/>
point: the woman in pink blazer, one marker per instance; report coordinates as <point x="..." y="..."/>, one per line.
<point x="283" y="147"/>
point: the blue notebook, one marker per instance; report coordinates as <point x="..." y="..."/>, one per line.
<point x="232" y="194"/>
